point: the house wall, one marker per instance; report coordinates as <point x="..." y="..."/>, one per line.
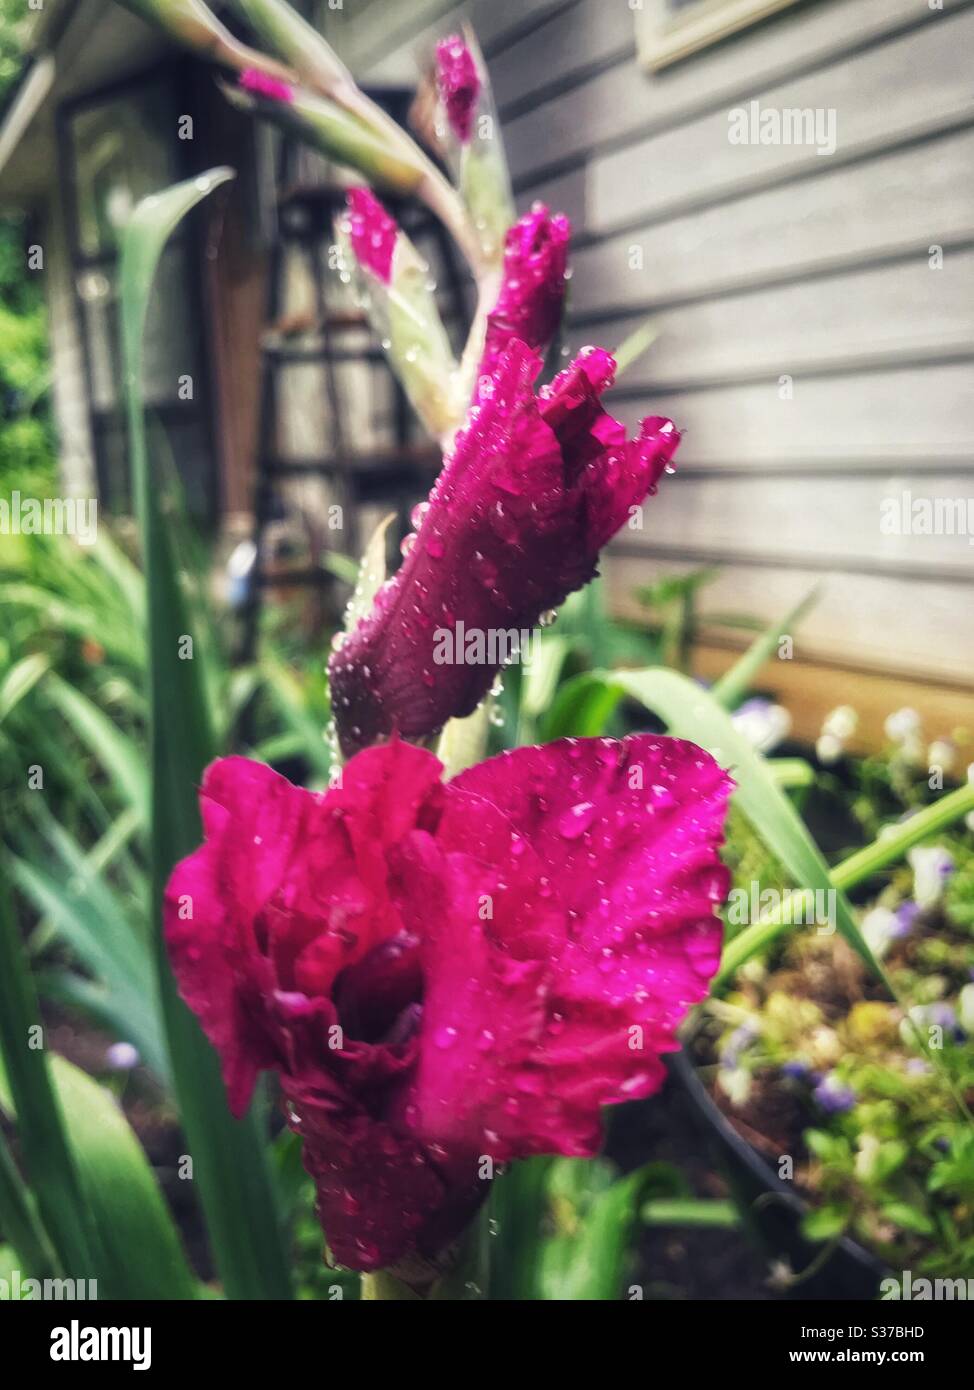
<point x="759" y="263"/>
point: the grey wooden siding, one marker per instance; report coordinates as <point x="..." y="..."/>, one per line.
<point x="761" y="262"/>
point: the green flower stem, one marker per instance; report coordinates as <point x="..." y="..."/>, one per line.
<point x="859" y="866"/>
<point x="464" y="1281"/>
<point x="895" y="842"/>
<point x="193" y="24"/>
<point x="321" y="69"/>
<point x="690" y="1211"/>
<point x="385" y="1286"/>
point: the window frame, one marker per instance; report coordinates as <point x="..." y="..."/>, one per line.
<point x="664" y="37"/>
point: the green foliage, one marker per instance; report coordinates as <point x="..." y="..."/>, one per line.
<point x="138" y="1251"/>
<point x="27" y="459"/>
<point x="894" y="1164"/>
<point x="14" y="18"/>
<point x="562" y="1229"/>
<point x="26" y="439"/>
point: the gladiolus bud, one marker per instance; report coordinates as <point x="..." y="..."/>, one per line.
<point x="393" y="284"/>
<point x="532" y="491"/>
<point x="472" y="141"/>
<point x="532" y="291"/>
<point x="459" y="85"/>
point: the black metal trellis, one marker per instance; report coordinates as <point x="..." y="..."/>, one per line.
<point x="392" y="475"/>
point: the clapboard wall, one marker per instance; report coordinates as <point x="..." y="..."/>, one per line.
<point x="759" y="263"/>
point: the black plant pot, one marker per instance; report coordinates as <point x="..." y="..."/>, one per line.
<point x="773" y="1210"/>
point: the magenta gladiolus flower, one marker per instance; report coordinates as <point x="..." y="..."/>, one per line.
<point x="534" y="488"/>
<point x="440" y="974"/>
<point x="459" y="84"/>
<point x="253" y="80"/>
<point x="533" y="286"/>
<point x="372" y="233"/>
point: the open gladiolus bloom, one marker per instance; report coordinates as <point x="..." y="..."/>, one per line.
<point x="444" y="976"/>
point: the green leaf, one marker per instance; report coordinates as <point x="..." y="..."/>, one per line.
<point x="141" y="1256"/>
<point x="895" y="840"/>
<point x="593" y="1218"/>
<point x="288" y="699"/>
<point x="821" y="1144"/>
<point x="20" y="681"/>
<point x="541" y="673"/>
<point x="47" y="1157"/>
<point x="690" y="1211"/>
<point x="463" y="742"/>
<point x="735" y="683"/>
<point x="825" y="1223"/>
<point x="791" y="773"/>
<point x="19" y="1220"/>
<point x="116" y="753"/>
<point x="637" y="342"/>
<point x="892" y="1154"/>
<point x="691" y="712"/>
<point x="908" y="1218"/>
<point x="230" y="1164"/>
<point x="371" y="575"/>
<point x="517" y="1207"/>
<point x="581" y="708"/>
<point x="105" y="944"/>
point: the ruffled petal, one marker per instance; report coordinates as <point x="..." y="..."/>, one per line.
<point x="602" y="933"/>
<point x="288" y="890"/>
<point x="253" y="820"/>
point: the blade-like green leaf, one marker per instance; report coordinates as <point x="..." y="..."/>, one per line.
<point x="286" y="695"/>
<point x="371" y="575"/>
<point x="734" y="683"/>
<point x="62" y="615"/>
<point x="581" y="708"/>
<point x="20" y="681"/>
<point x="105" y="945"/>
<point x="463" y="742"/>
<point x="690" y="1211"/>
<point x="691" y="712"/>
<point x="230" y="1165"/>
<point x="632" y="347"/>
<point x="19" y="1220"/>
<point x="47" y="1157"/>
<point x="517" y="1212"/>
<point x="542" y="672"/>
<point x="144" y="1257"/>
<point x="593" y="1217"/>
<point x="140" y="1253"/>
<point x="114" y="750"/>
